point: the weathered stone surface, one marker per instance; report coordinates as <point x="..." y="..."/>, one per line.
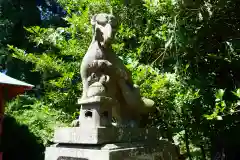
<point x="103" y="100"/>
<point x="97" y="135"/>
<point x="104" y="74"/>
<point x="96" y="111"/>
<point x="158" y="150"/>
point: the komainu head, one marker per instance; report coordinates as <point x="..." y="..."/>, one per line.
<point x="104" y="28"/>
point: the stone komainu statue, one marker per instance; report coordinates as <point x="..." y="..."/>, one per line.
<point x="104" y="74"/>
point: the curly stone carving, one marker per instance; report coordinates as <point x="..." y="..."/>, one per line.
<point x="104" y="74"/>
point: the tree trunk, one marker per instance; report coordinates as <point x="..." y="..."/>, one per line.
<point x="203" y="152"/>
<point x="187" y="143"/>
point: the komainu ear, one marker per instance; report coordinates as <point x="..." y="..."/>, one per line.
<point x="93" y="20"/>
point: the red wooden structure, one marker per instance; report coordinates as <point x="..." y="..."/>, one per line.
<point x="9" y="88"/>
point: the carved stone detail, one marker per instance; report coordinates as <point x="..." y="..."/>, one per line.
<point x="104" y="74"/>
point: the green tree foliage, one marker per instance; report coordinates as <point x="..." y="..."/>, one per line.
<point x="40" y="118"/>
<point x="183" y="55"/>
<point x="14" y="15"/>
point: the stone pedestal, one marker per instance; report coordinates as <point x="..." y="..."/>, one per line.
<point x="77" y="143"/>
<point x="102" y="135"/>
<point x="97" y="139"/>
<point x="158" y="150"/>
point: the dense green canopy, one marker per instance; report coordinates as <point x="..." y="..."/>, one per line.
<point x="183" y="54"/>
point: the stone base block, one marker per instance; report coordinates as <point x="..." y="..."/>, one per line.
<point x="79" y="135"/>
<point x="161" y="150"/>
